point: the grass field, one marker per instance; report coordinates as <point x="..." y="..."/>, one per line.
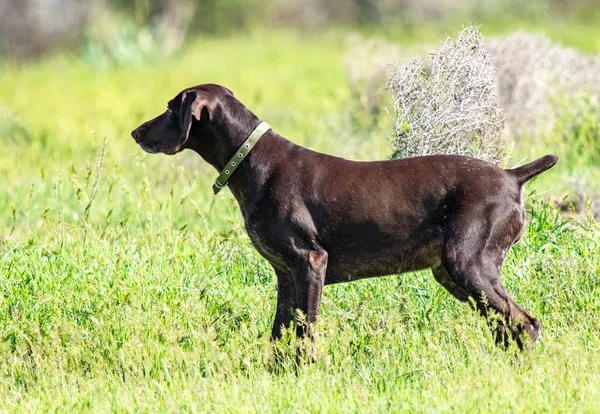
<point x="126" y="286"/>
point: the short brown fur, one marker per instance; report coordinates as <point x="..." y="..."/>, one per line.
<point x="320" y="219"/>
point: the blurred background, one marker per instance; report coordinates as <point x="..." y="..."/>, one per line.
<point x="100" y="29"/>
<point x="77" y="76"/>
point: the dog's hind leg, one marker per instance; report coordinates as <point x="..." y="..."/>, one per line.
<point x="443" y="278"/>
<point x="473" y="254"/>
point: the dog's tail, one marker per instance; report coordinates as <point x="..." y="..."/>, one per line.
<point x="528" y="171"/>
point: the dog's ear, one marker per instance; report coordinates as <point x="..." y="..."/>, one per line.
<point x="192" y="106"/>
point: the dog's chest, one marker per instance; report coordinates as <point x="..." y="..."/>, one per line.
<point x="264" y="244"/>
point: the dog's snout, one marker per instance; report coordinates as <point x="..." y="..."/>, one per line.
<point x="138" y="133"/>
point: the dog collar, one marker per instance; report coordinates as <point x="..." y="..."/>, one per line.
<point x="239" y="155"/>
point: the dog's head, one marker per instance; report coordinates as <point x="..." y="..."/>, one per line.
<point x="170" y="131"/>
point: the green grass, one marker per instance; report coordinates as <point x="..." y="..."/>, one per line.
<point x="126" y="286"/>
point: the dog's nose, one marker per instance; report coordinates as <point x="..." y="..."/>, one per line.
<point x="135" y="134"/>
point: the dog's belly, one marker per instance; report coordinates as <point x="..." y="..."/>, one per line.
<point x="348" y="266"/>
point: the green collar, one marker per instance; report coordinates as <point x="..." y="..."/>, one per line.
<point x="239" y="156"/>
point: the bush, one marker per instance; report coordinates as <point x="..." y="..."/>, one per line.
<point x="538" y="81"/>
<point x="446" y="103"/>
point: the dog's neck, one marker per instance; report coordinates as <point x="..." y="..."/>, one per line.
<point x="217" y="141"/>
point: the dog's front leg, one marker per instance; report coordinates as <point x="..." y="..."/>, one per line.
<point x="309" y="278"/>
<point x="286" y="303"/>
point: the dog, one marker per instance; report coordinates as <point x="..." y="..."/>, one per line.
<point x="319" y="219"/>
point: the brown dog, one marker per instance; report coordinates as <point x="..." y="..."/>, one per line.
<point x="320" y="219"/>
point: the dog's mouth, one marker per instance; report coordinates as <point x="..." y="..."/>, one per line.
<point x="153" y="149"/>
<point x="172" y="151"/>
<point x="150" y="149"/>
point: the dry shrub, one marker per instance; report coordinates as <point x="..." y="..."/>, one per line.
<point x="538" y="80"/>
<point x="368" y="69"/>
<point x="446" y="103"/>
